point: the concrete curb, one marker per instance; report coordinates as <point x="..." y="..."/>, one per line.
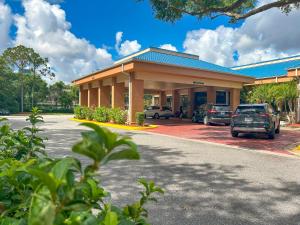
<point x="117" y="126"/>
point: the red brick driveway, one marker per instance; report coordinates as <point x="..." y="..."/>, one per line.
<point x="221" y="135"/>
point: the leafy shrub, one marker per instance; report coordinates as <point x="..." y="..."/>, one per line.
<point x="24" y="143"/>
<point x="40" y="190"/>
<point x="118" y="116"/>
<point x="101" y="114"/>
<point x="78" y="113"/>
<point x="88" y="113"/>
<point x="140" y="118"/>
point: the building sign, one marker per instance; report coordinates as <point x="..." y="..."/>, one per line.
<point x="198" y="82"/>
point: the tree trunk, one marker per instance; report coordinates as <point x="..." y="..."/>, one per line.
<point x="32" y="95"/>
<point x="22" y="97"/>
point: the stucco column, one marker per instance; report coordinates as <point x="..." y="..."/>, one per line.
<point x="191" y="102"/>
<point x="89" y="95"/>
<point x="162" y="99"/>
<point x="103" y="95"/>
<point x="235" y="98"/>
<point x="211" y="95"/>
<point x="136" y="98"/>
<point x="175" y="100"/>
<point x="80" y="96"/>
<point x="117" y="94"/>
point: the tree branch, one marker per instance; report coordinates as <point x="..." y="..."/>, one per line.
<point x="228" y="10"/>
<point x="262" y="8"/>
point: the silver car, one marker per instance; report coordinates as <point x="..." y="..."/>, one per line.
<point x="156" y="112"/>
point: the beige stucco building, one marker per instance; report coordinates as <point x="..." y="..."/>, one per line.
<point x="175" y="79"/>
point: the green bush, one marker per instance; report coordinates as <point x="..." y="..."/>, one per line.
<point x="101" y="114"/>
<point x="37" y="189"/>
<point x="118" y="116"/>
<point x="24" y="143"/>
<point x="83" y="112"/>
<point x="88" y="113"/>
<point x="78" y="113"/>
<point x="140" y="118"/>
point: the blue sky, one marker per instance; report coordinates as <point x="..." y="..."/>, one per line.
<point x="81" y="36"/>
<point x="99" y="23"/>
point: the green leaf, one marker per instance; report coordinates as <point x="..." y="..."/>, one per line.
<point x="46" y="179"/>
<point x="42" y="210"/>
<point x="60" y="169"/>
<point x="10" y="221"/>
<point x="111" y="218"/>
<point x="90" y="149"/>
<point x="128" y="154"/>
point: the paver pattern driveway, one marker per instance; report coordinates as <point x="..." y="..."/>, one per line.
<point x="205" y="184"/>
<point x="221" y="134"/>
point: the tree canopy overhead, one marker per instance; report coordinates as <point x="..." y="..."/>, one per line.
<point x="172" y="10"/>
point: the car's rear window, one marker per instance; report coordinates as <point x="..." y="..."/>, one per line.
<point x="250" y="109"/>
<point x="221" y="108"/>
<point x="153" y="108"/>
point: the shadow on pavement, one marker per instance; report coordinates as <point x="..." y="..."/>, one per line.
<point x="201" y="193"/>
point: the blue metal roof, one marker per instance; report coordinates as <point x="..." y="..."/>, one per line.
<point x="164" y="58"/>
<point x="271" y="69"/>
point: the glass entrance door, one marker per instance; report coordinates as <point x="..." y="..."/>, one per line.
<point x="200" y="99"/>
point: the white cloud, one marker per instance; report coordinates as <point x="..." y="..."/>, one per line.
<point x="44" y="28"/>
<point x="5" y="24"/>
<point x="127" y="47"/>
<point x="168" y="47"/>
<point x="264" y="36"/>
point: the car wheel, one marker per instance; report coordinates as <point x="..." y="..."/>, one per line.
<point x="156" y="116"/>
<point x="277" y="131"/>
<point x="271" y="134"/>
<point x="234" y="134"/>
<point x="227" y="124"/>
<point x="205" y="121"/>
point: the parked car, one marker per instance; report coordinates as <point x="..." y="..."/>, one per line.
<point x="156" y="112"/>
<point x="255" y="118"/>
<point x="210" y="114"/>
<point x="4" y="112"/>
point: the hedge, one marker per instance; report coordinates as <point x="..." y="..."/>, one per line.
<point x="101" y="114"/>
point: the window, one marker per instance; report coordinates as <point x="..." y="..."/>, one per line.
<point x="247" y="109"/>
<point x="169" y="101"/>
<point x="222" y="98"/>
<point x="184" y="101"/>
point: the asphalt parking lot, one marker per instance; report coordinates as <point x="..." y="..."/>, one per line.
<point x="205" y="183"/>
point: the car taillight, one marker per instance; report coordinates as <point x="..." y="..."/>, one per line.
<point x="212" y="111"/>
<point x="234" y="115"/>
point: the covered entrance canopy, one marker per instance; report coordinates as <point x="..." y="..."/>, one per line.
<point x="162" y="73"/>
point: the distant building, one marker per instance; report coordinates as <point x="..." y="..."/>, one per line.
<point x="272" y="71"/>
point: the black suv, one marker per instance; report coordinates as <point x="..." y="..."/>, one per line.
<point x="210" y="114"/>
<point x="255" y="118"/>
